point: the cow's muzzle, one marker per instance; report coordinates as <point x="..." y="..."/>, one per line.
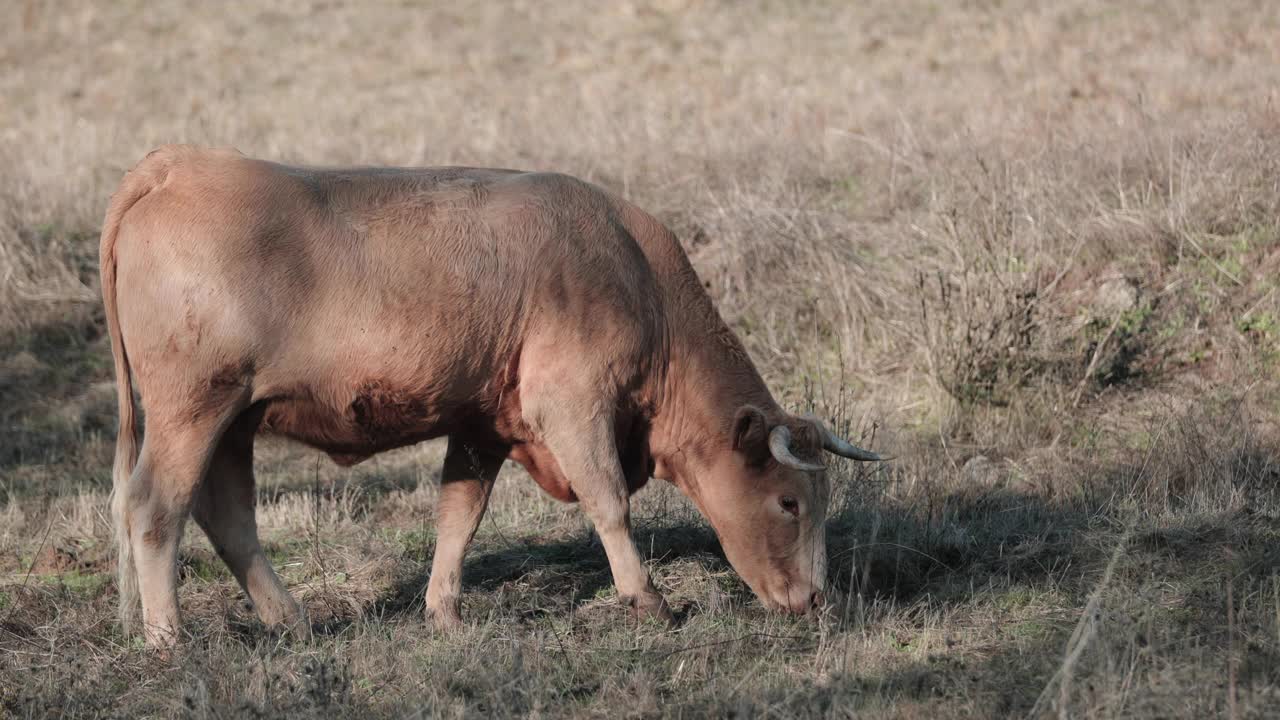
<point x="798" y="601"/>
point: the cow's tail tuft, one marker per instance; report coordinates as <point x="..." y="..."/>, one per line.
<point x="137" y="183"/>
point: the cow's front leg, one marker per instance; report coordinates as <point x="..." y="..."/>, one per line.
<point x="465" y="484"/>
<point x="589" y="459"/>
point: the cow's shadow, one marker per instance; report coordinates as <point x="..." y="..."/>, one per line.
<point x="877" y="551"/>
<point x="974" y="532"/>
<point x="561" y="574"/>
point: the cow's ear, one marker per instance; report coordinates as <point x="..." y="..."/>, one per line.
<point x="751" y="435"/>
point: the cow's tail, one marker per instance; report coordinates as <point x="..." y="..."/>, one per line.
<point x="137" y="183"/>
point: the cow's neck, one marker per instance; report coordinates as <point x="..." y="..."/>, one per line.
<point x="709" y="376"/>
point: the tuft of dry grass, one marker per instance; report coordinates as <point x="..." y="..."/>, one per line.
<point x="1029" y="249"/>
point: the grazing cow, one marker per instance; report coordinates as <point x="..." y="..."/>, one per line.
<point x="529" y="316"/>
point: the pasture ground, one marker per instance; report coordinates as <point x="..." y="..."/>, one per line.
<point x="1030" y="249"/>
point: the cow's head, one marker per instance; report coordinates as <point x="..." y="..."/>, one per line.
<point x="766" y="493"/>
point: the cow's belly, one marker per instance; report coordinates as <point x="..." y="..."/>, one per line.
<point x="351" y="424"/>
<point x="360" y="423"/>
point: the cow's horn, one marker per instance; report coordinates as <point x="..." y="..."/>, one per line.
<point x="838" y="445"/>
<point x="780" y="447"/>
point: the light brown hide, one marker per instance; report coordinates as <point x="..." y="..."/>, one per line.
<point x="526" y="315"/>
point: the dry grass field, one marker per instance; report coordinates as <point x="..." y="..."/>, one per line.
<point x="1030" y="249"/>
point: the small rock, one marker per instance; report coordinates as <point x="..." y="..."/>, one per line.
<point x="980" y="470"/>
<point x="1114" y="297"/>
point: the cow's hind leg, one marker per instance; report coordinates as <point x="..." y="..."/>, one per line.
<point x="465" y="484"/>
<point x="224" y="509"/>
<point x="583" y="444"/>
<point x="173" y="461"/>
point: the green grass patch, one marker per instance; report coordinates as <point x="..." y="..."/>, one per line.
<point x="74" y="582"/>
<point x="416" y="544"/>
<point x="205" y="566"/>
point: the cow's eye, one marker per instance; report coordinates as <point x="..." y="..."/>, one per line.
<point x="789" y="504"/>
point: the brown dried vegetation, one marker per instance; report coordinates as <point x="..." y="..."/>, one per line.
<point x="1029" y="249"/>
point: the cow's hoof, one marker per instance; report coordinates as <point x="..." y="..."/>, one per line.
<point x="163" y="653"/>
<point x="445" y="616"/>
<point x="298" y="626"/>
<point x="650" y="606"/>
<point x="161" y="641"/>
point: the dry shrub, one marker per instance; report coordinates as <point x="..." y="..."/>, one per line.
<point x="982" y="338"/>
